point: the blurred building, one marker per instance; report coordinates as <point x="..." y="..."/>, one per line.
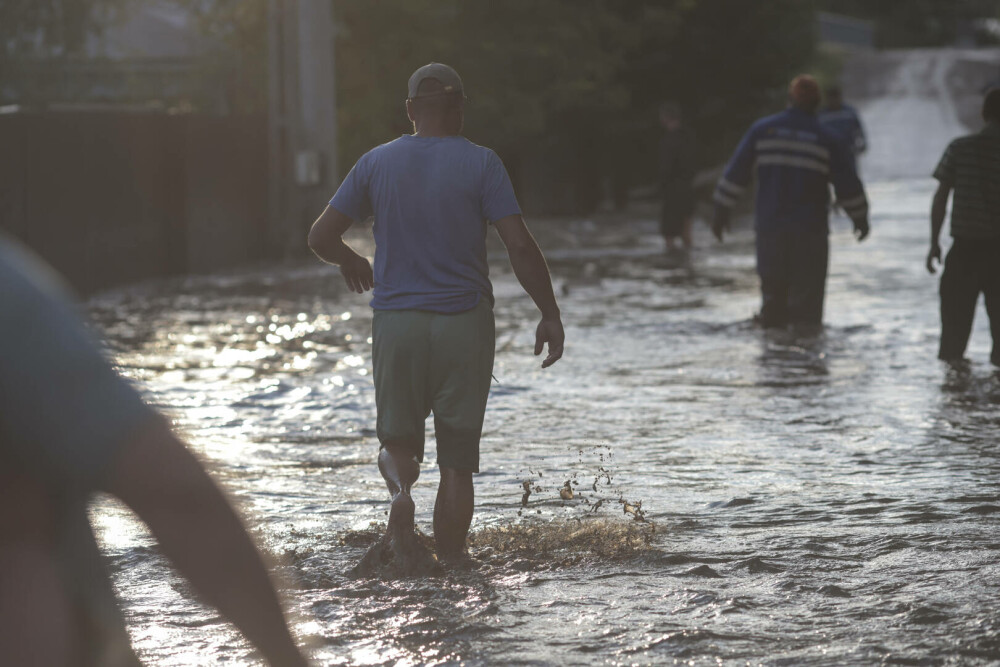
<point x="151" y="56"/>
<point x="120" y="160"/>
<point x="134" y="154"/>
<point x="845" y="32"/>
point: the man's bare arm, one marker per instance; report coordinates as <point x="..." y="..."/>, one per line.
<point x="199" y="532"/>
<point x="326" y="240"/>
<point x="529" y="266"/>
<point x="939" y="207"/>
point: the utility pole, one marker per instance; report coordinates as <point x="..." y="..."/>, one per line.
<point x="302" y="127"/>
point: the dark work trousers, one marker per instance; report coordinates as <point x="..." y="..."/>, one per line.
<point x="678" y="206"/>
<point x="792" y="271"/>
<point x="972" y="266"/>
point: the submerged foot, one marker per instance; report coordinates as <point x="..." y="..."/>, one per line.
<point x="460" y="561"/>
<point x="399" y="553"/>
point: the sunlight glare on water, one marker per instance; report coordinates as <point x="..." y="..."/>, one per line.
<point x="805" y="500"/>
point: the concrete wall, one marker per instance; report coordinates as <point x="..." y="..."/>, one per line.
<point x="109" y="198"/>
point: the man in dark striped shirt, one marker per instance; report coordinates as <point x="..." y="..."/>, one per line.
<point x="971" y="167"/>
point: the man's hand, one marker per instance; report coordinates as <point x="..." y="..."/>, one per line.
<point x="720" y="222"/>
<point x="861" y="229"/>
<point x="934" y="254"/>
<point x="550" y="330"/>
<point x="529" y="267"/>
<point x="357" y="272"/>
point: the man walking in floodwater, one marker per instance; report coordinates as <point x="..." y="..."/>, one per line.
<point x="971" y="167"/>
<point x="432" y="194"/>
<point x="795" y="159"/>
<point x="677" y="163"/>
<point x="844" y="120"/>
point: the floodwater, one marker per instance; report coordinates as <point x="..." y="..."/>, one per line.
<point x="737" y="496"/>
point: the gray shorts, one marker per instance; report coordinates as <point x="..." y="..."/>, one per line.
<point x="432" y="362"/>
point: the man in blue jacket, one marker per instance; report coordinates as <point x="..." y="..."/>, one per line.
<point x="795" y="160"/>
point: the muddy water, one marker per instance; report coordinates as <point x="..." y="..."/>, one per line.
<point x="737" y="496"/>
<point x="681" y="488"/>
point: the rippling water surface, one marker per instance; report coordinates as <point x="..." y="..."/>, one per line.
<point x="738" y="496"/>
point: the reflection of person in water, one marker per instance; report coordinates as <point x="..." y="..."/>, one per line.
<point x="432" y="194"/>
<point x="70" y="426"/>
<point x="795" y="159"/>
<point x="971" y="167"/>
<point x="677" y="167"/>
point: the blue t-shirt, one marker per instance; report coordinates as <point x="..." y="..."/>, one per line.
<point x="432" y="198"/>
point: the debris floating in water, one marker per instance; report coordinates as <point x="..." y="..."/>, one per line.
<point x="528" y="490"/>
<point x="633" y="509"/>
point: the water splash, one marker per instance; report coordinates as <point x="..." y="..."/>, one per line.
<point x="562" y="542"/>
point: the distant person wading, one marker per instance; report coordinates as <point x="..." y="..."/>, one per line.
<point x="677" y="166"/>
<point x="843" y="120"/>
<point x="433" y="195"/>
<point x="795" y="159"/>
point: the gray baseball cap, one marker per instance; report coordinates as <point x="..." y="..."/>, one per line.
<point x="448" y="77"/>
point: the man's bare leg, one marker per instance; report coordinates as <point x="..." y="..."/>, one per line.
<point x="399" y="552"/>
<point x="453" y="513"/>
<point x="400" y="471"/>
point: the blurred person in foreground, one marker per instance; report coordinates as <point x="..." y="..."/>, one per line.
<point x="433" y="195"/>
<point x="795" y="159"/>
<point x="970" y="167"/>
<point x="678" y="154"/>
<point x="844" y="120"/>
<point x="69" y="427"/>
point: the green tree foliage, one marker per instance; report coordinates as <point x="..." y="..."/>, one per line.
<point x="581" y="78"/>
<point x="527" y="64"/>
<point x="724" y="61"/>
<point x="238" y="28"/>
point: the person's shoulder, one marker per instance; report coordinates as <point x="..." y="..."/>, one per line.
<point x="473" y="147"/>
<point x="963" y="142"/>
<point x="771" y="120"/>
<point x="386" y="148"/>
<point x="28" y="278"/>
<point x="487" y="156"/>
<point x="379" y="153"/>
